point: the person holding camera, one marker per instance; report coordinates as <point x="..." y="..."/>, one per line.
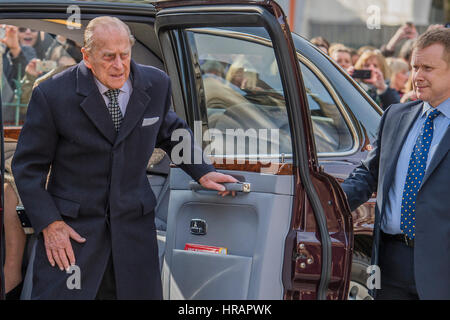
<point x="373" y="79"/>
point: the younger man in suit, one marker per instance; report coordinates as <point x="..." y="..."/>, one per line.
<point x="409" y="168"/>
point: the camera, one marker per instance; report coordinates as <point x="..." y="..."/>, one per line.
<point x="362" y="74"/>
<point x="45" y="65"/>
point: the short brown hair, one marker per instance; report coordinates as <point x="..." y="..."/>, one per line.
<point x="435" y="36"/>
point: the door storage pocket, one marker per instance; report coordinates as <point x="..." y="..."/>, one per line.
<point x="209" y="276"/>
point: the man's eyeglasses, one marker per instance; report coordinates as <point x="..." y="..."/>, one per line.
<point x="23" y="29"/>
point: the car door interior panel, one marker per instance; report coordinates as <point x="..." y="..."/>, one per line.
<point x="252" y="226"/>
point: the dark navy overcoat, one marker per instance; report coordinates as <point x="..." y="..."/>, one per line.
<point x="96" y="171"/>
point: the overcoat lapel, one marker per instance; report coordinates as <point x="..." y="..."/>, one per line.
<point x="137" y="104"/>
<point x="397" y="136"/>
<point x="95" y="108"/>
<point x="93" y="104"/>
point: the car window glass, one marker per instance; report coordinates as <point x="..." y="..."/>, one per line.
<point x="243" y="94"/>
<point x="41" y="55"/>
<point x="331" y="132"/>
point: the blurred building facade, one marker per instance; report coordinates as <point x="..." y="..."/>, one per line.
<point x="361" y="22"/>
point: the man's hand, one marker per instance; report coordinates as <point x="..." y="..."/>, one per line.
<point x="212" y="181"/>
<point x="57" y="244"/>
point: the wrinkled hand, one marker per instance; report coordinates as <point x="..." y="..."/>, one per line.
<point x="212" y="181"/>
<point x="57" y="244"/>
<point x="11" y="39"/>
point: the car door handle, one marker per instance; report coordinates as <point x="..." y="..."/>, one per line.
<point x="244" y="187"/>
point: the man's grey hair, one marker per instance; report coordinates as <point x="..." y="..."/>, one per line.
<point x="105" y="21"/>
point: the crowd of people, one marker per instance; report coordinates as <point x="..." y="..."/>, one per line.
<point x="389" y="79"/>
<point x="28" y="55"/>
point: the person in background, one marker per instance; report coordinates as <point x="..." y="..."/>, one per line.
<point x="410" y="93"/>
<point x="24" y="44"/>
<point x="321" y="43"/>
<point x="342" y="55"/>
<point x="399" y="74"/>
<point x="406" y="52"/>
<point x="355" y="55"/>
<point x="377" y="86"/>
<point x="407" y="31"/>
<point x="363" y="49"/>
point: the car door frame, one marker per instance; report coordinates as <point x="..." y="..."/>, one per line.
<point x="2" y="211"/>
<point x="182" y="14"/>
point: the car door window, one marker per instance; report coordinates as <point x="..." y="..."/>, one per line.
<point x="243" y="94"/>
<point x="331" y="131"/>
<point x="41" y="56"/>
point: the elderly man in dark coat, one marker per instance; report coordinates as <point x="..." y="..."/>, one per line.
<point x="96" y="125"/>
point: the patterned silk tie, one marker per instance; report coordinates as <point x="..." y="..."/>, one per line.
<point x="416" y="172"/>
<point x="114" y="108"/>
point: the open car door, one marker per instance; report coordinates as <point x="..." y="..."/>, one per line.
<point x="2" y="172"/>
<point x="288" y="232"/>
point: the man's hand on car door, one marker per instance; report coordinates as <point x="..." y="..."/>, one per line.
<point x="213" y="180"/>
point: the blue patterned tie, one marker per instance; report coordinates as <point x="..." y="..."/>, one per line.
<point x="416" y="172"/>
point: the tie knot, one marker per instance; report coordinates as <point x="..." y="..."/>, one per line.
<point x="433" y="114"/>
<point x="112" y="94"/>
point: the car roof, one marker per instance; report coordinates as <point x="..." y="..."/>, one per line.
<point x="135" y="2"/>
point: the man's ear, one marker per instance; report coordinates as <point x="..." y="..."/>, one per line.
<point x="86" y="57"/>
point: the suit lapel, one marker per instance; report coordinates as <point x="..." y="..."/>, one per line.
<point x="93" y="104"/>
<point x="398" y="136"/>
<point x="441" y="151"/>
<point x="137" y="104"/>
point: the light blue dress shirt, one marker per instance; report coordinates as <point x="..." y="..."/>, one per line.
<point x="124" y="94"/>
<point x="392" y="215"/>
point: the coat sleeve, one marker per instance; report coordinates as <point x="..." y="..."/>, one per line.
<point x="388" y="98"/>
<point x="363" y="181"/>
<point x="172" y="127"/>
<point x="32" y="160"/>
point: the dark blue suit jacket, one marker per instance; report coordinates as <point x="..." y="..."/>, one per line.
<point x="94" y="171"/>
<point x="375" y="174"/>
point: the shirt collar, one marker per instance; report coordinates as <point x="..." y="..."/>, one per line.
<point x="444" y="108"/>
